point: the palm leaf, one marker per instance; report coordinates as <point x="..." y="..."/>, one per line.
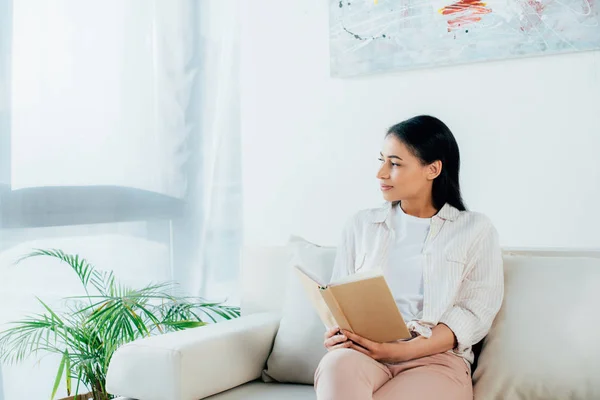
<point x="82" y="268"/>
<point x="68" y="373"/>
<point x="180" y="325"/>
<point x="103" y="281"/>
<point x="59" y="375"/>
<point x="79" y="374"/>
<point x="27" y="336"/>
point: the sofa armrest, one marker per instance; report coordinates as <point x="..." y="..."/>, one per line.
<point x="195" y="363"/>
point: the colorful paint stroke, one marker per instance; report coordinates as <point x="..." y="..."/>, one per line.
<point x="370" y="36"/>
<point x="464" y="12"/>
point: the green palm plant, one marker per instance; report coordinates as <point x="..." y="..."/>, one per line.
<point x="93" y="326"/>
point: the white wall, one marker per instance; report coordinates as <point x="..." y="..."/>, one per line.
<point x="528" y="129"/>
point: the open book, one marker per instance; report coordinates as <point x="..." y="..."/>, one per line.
<point x="361" y="303"/>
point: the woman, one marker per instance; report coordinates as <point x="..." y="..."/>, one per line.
<point x="443" y="265"/>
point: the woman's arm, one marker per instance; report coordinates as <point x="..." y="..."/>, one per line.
<point x="480" y="295"/>
<point x="442" y="339"/>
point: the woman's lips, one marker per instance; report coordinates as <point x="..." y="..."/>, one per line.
<point x="386" y="187"/>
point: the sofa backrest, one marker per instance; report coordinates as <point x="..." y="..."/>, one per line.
<point x="265" y="271"/>
<point x="543" y="343"/>
<point x="264" y="277"/>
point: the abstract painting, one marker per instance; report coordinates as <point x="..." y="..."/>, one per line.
<point x="368" y="36"/>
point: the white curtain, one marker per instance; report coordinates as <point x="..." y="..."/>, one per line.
<point x="119" y="141"/>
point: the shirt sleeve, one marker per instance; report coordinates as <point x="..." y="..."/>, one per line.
<point x="480" y="295"/>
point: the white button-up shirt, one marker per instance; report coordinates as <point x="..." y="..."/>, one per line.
<point x="463" y="278"/>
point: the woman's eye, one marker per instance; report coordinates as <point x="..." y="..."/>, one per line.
<point x="393" y="164"/>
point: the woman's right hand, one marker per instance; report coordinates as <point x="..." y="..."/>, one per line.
<point x="335" y="340"/>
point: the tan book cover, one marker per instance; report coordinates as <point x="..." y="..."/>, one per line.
<point x="361" y="303"/>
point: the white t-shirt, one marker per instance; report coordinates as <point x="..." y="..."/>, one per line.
<point x="404" y="272"/>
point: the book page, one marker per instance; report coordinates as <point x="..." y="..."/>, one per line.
<point x="313" y="292"/>
<point x="358" y="276"/>
<point x="310" y="275"/>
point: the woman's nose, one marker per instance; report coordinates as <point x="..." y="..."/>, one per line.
<point x="382" y="173"/>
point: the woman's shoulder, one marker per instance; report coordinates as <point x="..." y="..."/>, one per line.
<point x="369" y="215"/>
<point x="476" y="222"/>
<point x="360" y="220"/>
<point x="474" y="217"/>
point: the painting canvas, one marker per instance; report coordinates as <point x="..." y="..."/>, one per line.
<point x="368" y="36"/>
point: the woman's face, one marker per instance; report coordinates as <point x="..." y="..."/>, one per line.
<point x="402" y="176"/>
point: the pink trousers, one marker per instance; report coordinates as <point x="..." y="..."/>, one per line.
<point x="348" y="374"/>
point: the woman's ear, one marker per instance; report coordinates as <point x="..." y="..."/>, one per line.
<point x="434" y="170"/>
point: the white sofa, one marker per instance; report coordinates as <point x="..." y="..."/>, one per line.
<point x="543" y="343"/>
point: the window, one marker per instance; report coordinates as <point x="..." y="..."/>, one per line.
<point x="113" y="146"/>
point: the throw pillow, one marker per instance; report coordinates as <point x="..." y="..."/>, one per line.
<point x="298" y="345"/>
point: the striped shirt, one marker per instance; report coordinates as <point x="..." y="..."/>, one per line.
<point x="463" y="278"/>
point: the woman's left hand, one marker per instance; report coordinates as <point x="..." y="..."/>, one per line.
<point x="383" y="352"/>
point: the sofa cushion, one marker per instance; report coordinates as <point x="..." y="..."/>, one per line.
<point x="544" y="342"/>
<point x="298" y="345"/>
<point x="257" y="390"/>
<point x="267" y="391"/>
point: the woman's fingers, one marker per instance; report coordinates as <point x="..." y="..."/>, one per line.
<point x="335" y="340"/>
<point x="359" y="340"/>
<point x="331" y="332"/>
<point x="358" y="348"/>
<point x="344" y="345"/>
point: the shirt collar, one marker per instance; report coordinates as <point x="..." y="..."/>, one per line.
<point x="381" y="214"/>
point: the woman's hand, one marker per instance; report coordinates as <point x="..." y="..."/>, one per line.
<point x="383" y="352"/>
<point x="335" y="340"/>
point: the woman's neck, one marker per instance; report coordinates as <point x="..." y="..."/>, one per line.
<point x="420" y="209"/>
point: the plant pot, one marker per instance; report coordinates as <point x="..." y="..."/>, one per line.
<point x="86" y="396"/>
